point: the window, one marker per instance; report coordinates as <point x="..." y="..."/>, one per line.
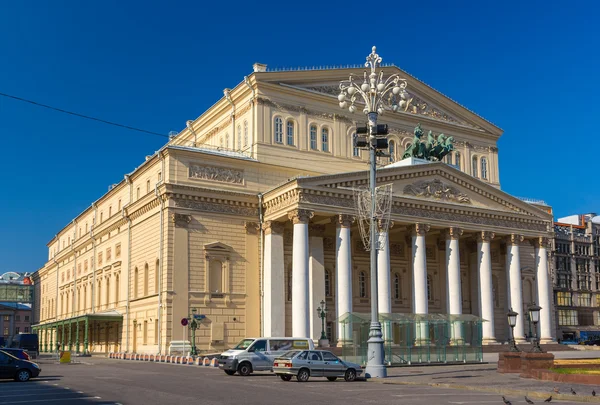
<point x="598" y="300"/>
<point x="392" y="150"/>
<point x="567" y="317"/>
<point x="17" y="329"/>
<point x="107" y="291"/>
<point x="146" y="279"/>
<point x="325" y="139"/>
<point x="362" y="284"/>
<point x="397" y="295"/>
<point x="355" y="150"/>
<point x="585" y="300"/>
<point x="26" y="329"/>
<point x="117" y="289"/>
<point x="156" y="275"/>
<point x="564" y="299"/>
<point x="100" y="259"/>
<point x="313" y="137"/>
<point x="429" y="289"/>
<point x="159" y="176"/>
<point x="327" y="283"/>
<point x="474" y="166"/>
<point x="26" y="318"/>
<point x="245" y="133"/>
<point x="85" y="265"/>
<point x="118" y="250"/>
<point x="145" y="333"/>
<point x="259" y="346"/>
<point x="135" y="283"/>
<point x="449" y="158"/>
<point x="239" y="137"/>
<point x="216" y="276"/>
<point x="484" y="168"/>
<point x="278" y="130"/>
<point x="147" y="186"/>
<point x="290" y="132"/>
<point x="99" y="297"/>
<point x="17" y="318"/>
<point x="137" y="193"/>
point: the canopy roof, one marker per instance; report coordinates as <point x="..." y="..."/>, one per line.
<point x="351" y="317"/>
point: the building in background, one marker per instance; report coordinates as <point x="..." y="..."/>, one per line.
<point x="15" y="304"/>
<point x="576" y="276"/>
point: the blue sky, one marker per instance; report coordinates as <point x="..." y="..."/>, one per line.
<point x="529" y="67"/>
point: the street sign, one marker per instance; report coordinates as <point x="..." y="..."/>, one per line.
<point x="184" y="321"/>
<point x="199" y="317"/>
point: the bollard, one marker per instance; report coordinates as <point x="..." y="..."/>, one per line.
<point x="206" y="361"/>
<point x="214" y="362"/>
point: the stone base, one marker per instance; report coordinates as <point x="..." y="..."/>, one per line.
<point x="535" y="361"/>
<point x="323" y="342"/>
<point x="509" y="362"/>
<point x="489" y="341"/>
<point x="547" y="341"/>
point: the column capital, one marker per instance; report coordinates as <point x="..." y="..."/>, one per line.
<point x="273" y="227"/>
<point x="540" y="242"/>
<point x="384" y="224"/>
<point x="419" y="229"/>
<point x="343" y="220"/>
<point x="252" y="228"/>
<point x="514" y="239"/>
<point x="452" y="233"/>
<point x="316" y="230"/>
<point x="484" y="236"/>
<point x="181" y="220"/>
<point x="300" y="216"/>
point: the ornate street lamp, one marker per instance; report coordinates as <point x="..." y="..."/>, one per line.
<point x="322" y="311"/>
<point x="534" y="315"/>
<point x="512" y="322"/>
<point x="377" y="94"/>
<point x="193" y="326"/>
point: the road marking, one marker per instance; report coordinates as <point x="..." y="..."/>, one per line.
<point x="51" y="400"/>
<point x="447" y="395"/>
<point x="31" y="395"/>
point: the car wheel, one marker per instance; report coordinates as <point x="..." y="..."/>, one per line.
<point x="350" y="375"/>
<point x="285" y="377"/>
<point x="332" y="378"/>
<point x="229" y="372"/>
<point x="23" y="375"/>
<point x="245" y="369"/>
<point x="303" y="375"/>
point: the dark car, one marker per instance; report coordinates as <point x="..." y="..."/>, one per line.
<point x="27" y="341"/>
<point x="592" y="342"/>
<point x="18" y="353"/>
<point x="17" y="369"/>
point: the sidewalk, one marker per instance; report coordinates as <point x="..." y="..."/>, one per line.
<point x="484" y="378"/>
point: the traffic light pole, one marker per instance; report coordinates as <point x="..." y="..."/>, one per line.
<point x="376" y="360"/>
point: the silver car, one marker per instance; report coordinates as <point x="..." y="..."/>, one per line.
<point x="314" y="363"/>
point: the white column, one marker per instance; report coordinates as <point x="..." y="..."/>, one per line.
<point x="419" y="279"/>
<point x="300" y="277"/>
<point x="453" y="283"/>
<point x="486" y="297"/>
<point x="544" y="290"/>
<point x="343" y="279"/>
<point x="316" y="276"/>
<point x="384" y="302"/>
<point x="515" y="288"/>
<point x="274" y="280"/>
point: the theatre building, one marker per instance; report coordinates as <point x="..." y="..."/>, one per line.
<point x="248" y="216"/>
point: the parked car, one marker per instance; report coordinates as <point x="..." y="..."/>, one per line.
<point x="314" y="363"/>
<point x="257" y="354"/>
<point x="18" y="353"/>
<point x="592" y="342"/>
<point x="27" y="341"/>
<point x="17" y="369"/>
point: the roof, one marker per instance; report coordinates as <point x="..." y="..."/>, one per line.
<point x="15" y="305"/>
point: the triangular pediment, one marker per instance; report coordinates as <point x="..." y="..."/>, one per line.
<point x="217" y="247"/>
<point x="435" y="184"/>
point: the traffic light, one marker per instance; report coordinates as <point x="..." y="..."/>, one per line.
<point x="361" y="139"/>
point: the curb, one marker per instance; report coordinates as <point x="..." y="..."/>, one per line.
<point x="500" y="391"/>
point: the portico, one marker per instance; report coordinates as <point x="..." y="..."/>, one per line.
<point x="442" y="255"/>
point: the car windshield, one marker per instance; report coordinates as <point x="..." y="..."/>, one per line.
<point x="244" y="344"/>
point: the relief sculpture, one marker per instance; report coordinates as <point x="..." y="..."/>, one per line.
<point x="212" y="173"/>
<point x="438" y="190"/>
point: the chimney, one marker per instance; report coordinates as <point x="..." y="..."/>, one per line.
<point x="259" y="67"/>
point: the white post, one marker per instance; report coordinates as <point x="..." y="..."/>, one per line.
<point x="300" y="295"/>
<point x="384" y="303"/>
<point x="343" y="277"/>
<point x="453" y="283"/>
<point x="513" y="261"/>
<point x="544" y="290"/>
<point x="486" y="297"/>
<point x="274" y="280"/>
<point x="419" y="279"/>
<point x="316" y="275"/>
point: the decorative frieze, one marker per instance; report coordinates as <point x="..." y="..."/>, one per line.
<point x="181" y="220"/>
<point x="300" y="216"/>
<point x="222" y="208"/>
<point x="436" y="189"/>
<point x="214" y="173"/>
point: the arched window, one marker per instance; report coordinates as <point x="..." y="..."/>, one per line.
<point x="245" y="133"/>
<point x="362" y="284"/>
<point x="392" y="150"/>
<point x="117" y="286"/>
<point x="278" y="130"/>
<point x="429" y="289"/>
<point x="325" y="139"/>
<point x="135" y="282"/>
<point x="397" y="294"/>
<point x="327" y="283"/>
<point x="449" y="158"/>
<point x="216" y="276"/>
<point x="146" y="279"/>
<point x="313" y="137"/>
<point x="355" y="150"/>
<point x="484" y="168"/>
<point x="457" y="160"/>
<point x="156" y="276"/>
<point x="239" y="138"/>
<point x="290" y="132"/>
<point x="474" y="166"/>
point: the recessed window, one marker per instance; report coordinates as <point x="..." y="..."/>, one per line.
<point x="484" y="168"/>
<point x="325" y="139"/>
<point x="313" y="137"/>
<point x="290" y="132"/>
<point x="449" y="158"/>
<point x="457" y="160"/>
<point x="245" y="133"/>
<point x="239" y="137"/>
<point x="278" y="130"/>
<point x="147" y="186"/>
<point x="355" y="150"/>
<point x="392" y="150"/>
<point x="474" y="166"/>
<point x="146" y="274"/>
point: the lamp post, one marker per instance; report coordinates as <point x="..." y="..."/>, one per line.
<point x="377" y="94"/>
<point x="322" y="311"/>
<point x="512" y="322"/>
<point x="193" y="326"/>
<point x="534" y="315"/>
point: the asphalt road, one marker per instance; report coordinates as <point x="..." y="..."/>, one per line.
<point x="103" y="381"/>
